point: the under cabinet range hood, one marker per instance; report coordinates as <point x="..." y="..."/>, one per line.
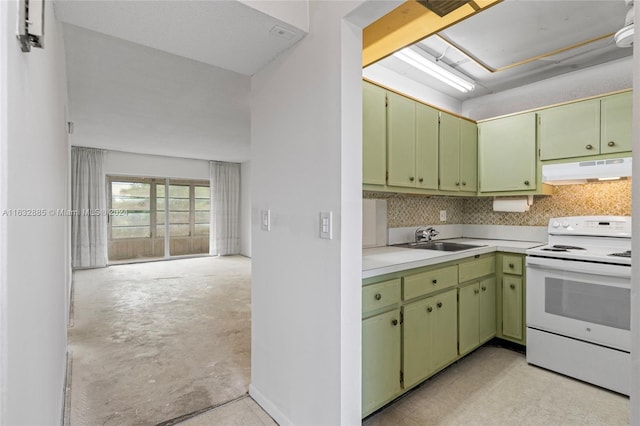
<point x="586" y="171"/>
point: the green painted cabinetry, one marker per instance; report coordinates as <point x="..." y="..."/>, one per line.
<point x="374" y="134"/>
<point x="615" y="128"/>
<point x="476" y="303"/>
<point x="381" y="337"/>
<point x="458" y="154"/>
<point x="412" y="143"/>
<point x="429" y="336"/>
<point x="511" y="298"/>
<point x="586" y="128"/>
<point x="507" y="158"/>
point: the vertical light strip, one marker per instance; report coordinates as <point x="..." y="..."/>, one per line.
<point x="166" y="219"/>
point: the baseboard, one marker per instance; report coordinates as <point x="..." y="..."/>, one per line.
<point x="269" y="407"/>
<point x="66" y="393"/>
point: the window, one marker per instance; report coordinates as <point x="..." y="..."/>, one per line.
<point x="141" y="232"/>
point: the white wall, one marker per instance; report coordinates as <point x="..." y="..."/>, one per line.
<point x="407" y="86"/>
<point x="616" y="75"/>
<point x="294" y="13"/>
<point x="245" y="209"/>
<point x="144" y="165"/>
<point x="34" y="262"/>
<point x="306" y="290"/>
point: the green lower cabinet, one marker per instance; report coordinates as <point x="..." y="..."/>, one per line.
<point x="487" y="309"/>
<point x="512" y="307"/>
<point x="429" y="336"/>
<point x="380" y="360"/>
<point x="468" y="314"/>
<point x="476" y="314"/>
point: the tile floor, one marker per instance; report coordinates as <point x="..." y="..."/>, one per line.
<point x="495" y="386"/>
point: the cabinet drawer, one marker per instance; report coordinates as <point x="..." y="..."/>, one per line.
<point x="428" y="282"/>
<point x="380" y="295"/>
<point x="477" y="268"/>
<point x="512" y="264"/>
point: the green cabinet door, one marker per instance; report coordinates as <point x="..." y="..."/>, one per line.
<point x="417" y="341"/>
<point x="487" y="310"/>
<point x="571" y="130"/>
<point x="615" y="123"/>
<point x="468" y="156"/>
<point x="445" y="329"/>
<point x="468" y="317"/>
<point x="426" y="147"/>
<point x="380" y="360"/>
<point x="507" y="153"/>
<point x="374" y="134"/>
<point x="512" y="307"/>
<point x="401" y="142"/>
<point x="449" y="164"/>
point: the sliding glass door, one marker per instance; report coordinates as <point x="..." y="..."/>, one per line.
<point x="158" y="222"/>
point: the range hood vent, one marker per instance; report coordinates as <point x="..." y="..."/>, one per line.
<point x="585" y="171"/>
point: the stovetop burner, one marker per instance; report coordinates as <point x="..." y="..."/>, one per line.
<point x="623" y="254"/>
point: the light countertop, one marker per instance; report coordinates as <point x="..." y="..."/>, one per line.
<point x="385" y="260"/>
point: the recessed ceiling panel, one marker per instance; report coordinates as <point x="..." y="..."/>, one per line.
<point x="514" y="31"/>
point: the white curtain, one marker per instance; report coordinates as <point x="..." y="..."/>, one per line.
<point x="89" y="203"/>
<point x="224" y="237"/>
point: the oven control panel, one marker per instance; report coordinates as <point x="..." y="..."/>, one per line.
<point x="604" y="226"/>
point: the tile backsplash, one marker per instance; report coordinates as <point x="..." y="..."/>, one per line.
<point x="603" y="198"/>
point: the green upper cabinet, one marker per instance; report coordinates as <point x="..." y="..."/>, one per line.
<point x="468" y="156"/>
<point x="507" y="154"/>
<point x="374" y="134"/>
<point x="458" y="154"/>
<point x="586" y="128"/>
<point x="401" y="128"/>
<point x="412" y="143"/>
<point x="571" y="130"/>
<point x="615" y="123"/>
<point x="426" y="147"/>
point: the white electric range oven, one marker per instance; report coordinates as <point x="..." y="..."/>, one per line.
<point x="578" y="300"/>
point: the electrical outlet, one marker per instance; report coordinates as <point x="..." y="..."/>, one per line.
<point x="443" y="215"/>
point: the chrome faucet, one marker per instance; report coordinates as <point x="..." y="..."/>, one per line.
<point x="425" y="234"/>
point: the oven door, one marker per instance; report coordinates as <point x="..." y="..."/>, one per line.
<point x="583" y="300"/>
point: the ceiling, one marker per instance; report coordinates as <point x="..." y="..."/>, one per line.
<point x="510" y="44"/>
<point x="166" y="77"/>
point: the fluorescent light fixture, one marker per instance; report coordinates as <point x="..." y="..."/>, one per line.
<point x="425" y="65"/>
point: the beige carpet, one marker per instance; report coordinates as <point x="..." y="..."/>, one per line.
<point x="155" y="341"/>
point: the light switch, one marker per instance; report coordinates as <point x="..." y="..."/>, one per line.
<point x="443" y="215"/>
<point x="326" y="225"/>
<point x="266" y="220"/>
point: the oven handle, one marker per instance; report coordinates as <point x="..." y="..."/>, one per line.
<point x="591" y="268"/>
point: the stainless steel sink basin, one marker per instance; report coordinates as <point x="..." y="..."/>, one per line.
<point x="438" y="245"/>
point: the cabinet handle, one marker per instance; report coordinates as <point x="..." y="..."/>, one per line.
<point x="589" y="146"/>
<point x="457" y="183"/>
<point x="511" y="265"/>
<point x="434" y="282"/>
<point x="476" y="291"/>
<point x="512" y="286"/>
<point x="429" y="309"/>
<point x="394" y="322"/>
<point x="611" y="143"/>
<point x="464" y="183"/>
<point x="439" y="304"/>
<point x="378" y="296"/>
<point x="526" y="182"/>
<point x="411" y="178"/>
<point x="420" y="179"/>
<point x="484" y="288"/>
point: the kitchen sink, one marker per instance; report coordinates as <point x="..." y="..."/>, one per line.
<point x="438" y="245"/>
